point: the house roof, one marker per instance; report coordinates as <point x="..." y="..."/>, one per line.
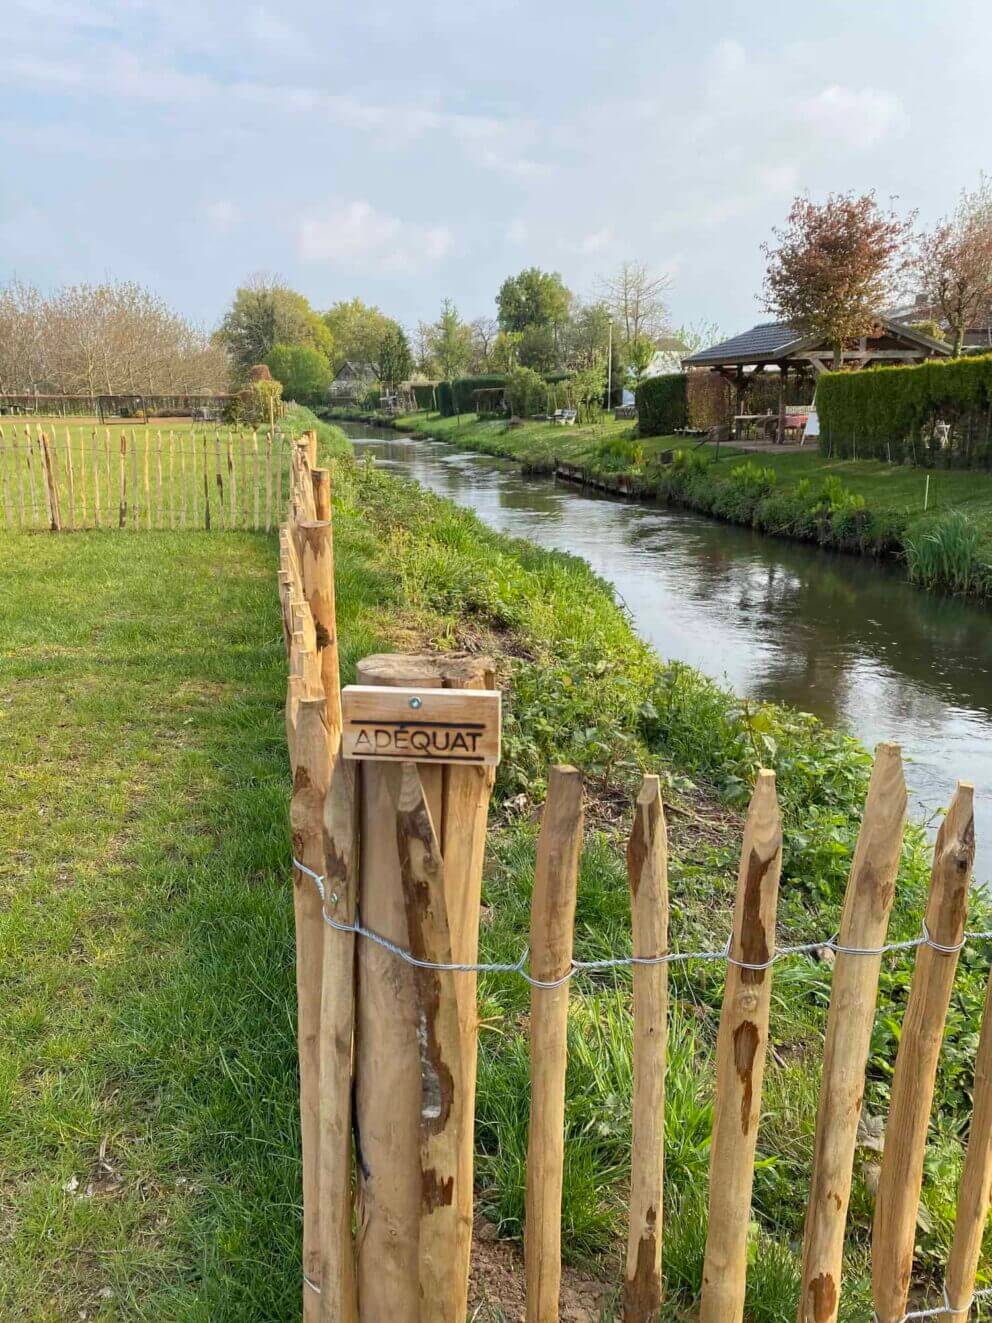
<point x="772" y="341"/>
<point x="766" y="340"/>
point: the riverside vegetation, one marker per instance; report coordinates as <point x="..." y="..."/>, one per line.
<point x="147" y="1067"/>
<point x="865" y="507"/>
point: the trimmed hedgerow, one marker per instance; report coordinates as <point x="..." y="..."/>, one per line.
<point x="424" y="393"/>
<point x="463" y="390"/>
<point x="895" y="414"/>
<point x="445" y="399"/>
<point x="661" y="404"/>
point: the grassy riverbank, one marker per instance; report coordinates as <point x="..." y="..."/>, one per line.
<point x="147" y="1077"/>
<point x="863" y="507"/>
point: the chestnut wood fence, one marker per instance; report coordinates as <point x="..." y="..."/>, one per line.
<point x="387" y="875"/>
<point x="68" y="478"/>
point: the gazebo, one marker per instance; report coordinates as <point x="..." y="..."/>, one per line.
<point x="775" y="353"/>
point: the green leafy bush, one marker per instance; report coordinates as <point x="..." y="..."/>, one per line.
<point x="661" y="404"/>
<point x="526" y="392"/>
<point x="895" y="414"/>
<point x="304" y="372"/>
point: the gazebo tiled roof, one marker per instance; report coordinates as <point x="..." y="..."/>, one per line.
<point x="767" y="340"/>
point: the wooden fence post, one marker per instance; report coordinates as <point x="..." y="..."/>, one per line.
<point x="975" y="1191"/>
<point x="390" y="1076"/>
<point x="740" y="1059"/>
<point x="317" y="557"/>
<point x="863" y="927"/>
<point x="439" y="1035"/>
<point x="51" y="485"/>
<point x="122" y="484"/>
<point x="338" y="1299"/>
<point x="321" y="492"/>
<point x="647" y="872"/>
<point x="70" y="475"/>
<point x="551" y="936"/>
<point x="311" y="777"/>
<point x="898" y="1199"/>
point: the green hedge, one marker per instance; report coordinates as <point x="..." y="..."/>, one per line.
<point x="423" y="393"/>
<point x="892" y="413"/>
<point x="445" y="399"/>
<point x="463" y="390"/>
<point x="662" y="406"/>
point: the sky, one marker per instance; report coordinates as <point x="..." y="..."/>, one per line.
<point x="406" y="153"/>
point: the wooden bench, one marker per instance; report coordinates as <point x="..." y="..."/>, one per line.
<point x="565" y="417"/>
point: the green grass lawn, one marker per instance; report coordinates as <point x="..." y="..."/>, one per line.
<point x="148" y="1093"/>
<point x="892" y="487"/>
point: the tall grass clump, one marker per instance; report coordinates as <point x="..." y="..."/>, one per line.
<point x="945" y="553"/>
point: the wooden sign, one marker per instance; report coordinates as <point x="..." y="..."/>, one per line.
<point x="421" y="725"/>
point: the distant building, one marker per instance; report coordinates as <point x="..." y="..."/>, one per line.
<point x="667" y="357"/>
<point x="977" y="335"/>
<point x="350" y="383"/>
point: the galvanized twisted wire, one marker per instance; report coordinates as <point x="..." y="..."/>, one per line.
<point x="519" y="967"/>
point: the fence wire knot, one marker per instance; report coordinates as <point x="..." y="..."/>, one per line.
<point x="519" y="967"/>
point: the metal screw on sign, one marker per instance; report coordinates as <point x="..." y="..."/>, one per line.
<point x="416" y="702"/>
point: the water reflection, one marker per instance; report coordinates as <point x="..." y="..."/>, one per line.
<point x="835" y="635"/>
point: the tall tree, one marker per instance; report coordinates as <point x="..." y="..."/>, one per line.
<point x="451" y="341"/>
<point x="633" y="295"/>
<point x="834" y="267"/>
<point x="533" y="298"/>
<point x="357" y="330"/>
<point x="484" y="332"/>
<point x="954" y="263"/>
<point x="265" y="312"/>
<point x="393" y="361"/>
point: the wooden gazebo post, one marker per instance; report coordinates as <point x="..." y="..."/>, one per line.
<point x="783" y="369"/>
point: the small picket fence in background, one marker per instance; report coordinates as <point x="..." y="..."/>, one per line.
<point x="387" y="876"/>
<point x="68" y="478"/>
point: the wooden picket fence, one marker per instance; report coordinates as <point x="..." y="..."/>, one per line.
<point x="387" y="1028"/>
<point x="63" y="478"/>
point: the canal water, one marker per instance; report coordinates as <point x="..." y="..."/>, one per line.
<point x="840" y="636"/>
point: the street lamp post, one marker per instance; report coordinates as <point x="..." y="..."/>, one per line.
<point x="609" y="368"/>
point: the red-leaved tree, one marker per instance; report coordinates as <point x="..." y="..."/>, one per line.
<point x="834" y="266"/>
<point x="954" y="263"/>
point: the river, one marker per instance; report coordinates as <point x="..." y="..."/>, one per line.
<point x="840" y="636"/>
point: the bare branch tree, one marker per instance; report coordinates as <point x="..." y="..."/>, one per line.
<point x="633" y="295"/>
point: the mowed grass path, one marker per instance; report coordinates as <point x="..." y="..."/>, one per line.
<point x="148" y="1151"/>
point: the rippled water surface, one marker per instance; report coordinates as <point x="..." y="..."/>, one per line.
<point x="835" y="635"/>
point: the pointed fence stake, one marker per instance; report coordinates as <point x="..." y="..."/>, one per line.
<point x="975" y="1192"/>
<point x="864" y="924"/>
<point x="552" y="925"/>
<point x="338" y="1299"/>
<point x="647" y="872"/>
<point x="742" y="1043"/>
<point x="898" y="1199"/>
<point x="311" y="777"/>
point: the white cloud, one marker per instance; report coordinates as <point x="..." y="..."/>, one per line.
<point x="594" y="242"/>
<point x="222" y="214"/>
<point x="855" y="118"/>
<point x="355" y="233"/>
